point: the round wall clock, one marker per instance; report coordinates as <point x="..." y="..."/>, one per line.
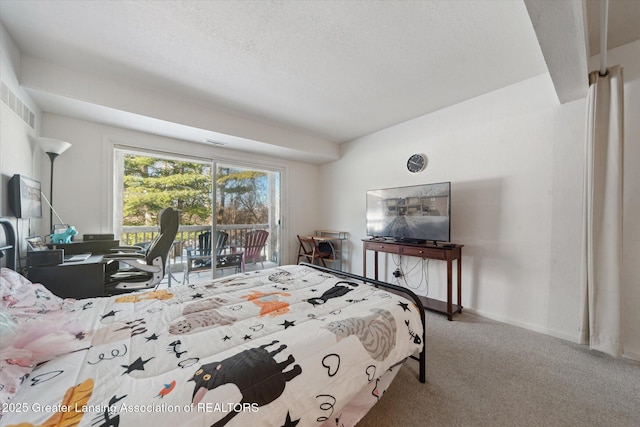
<point x="416" y="163"/>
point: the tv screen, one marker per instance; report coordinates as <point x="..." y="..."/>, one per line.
<point x="24" y="197"/>
<point x="417" y="213"/>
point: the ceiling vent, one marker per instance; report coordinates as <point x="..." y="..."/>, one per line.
<point x="214" y="142"/>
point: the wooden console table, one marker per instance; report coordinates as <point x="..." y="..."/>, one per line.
<point x="449" y="254"/>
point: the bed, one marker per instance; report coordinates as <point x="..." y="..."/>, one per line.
<point x="294" y="345"/>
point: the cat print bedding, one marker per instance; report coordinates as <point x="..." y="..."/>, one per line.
<point x="290" y="346"/>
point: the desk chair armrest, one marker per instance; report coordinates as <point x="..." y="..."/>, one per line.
<point x="133" y="262"/>
<point x="127" y="249"/>
<point x="121" y="256"/>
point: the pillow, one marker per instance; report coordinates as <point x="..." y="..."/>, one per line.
<point x="23" y="300"/>
<point x="34" y="328"/>
<point x="23" y="346"/>
<point x="11" y="376"/>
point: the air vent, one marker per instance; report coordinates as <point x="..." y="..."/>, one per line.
<point x="214" y="142"/>
<point x="16" y="105"/>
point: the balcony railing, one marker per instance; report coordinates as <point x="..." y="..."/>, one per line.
<point x="188" y="237"/>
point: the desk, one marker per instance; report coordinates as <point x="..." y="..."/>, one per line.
<point x="99" y="247"/>
<point x="448" y="254"/>
<point x="83" y="279"/>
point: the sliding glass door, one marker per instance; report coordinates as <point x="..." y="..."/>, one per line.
<point x="219" y="216"/>
<point x="247" y="200"/>
<point x="146" y="183"/>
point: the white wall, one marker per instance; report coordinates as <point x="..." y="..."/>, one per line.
<point x="112" y="101"/>
<point x="84" y="176"/>
<point x="499" y="152"/>
<point x="17" y="153"/>
<point x="515" y="160"/>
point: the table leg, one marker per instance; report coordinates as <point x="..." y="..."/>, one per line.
<point x="460" y="282"/>
<point x="375" y="264"/>
<point x="449" y="288"/>
<point x="364" y="261"/>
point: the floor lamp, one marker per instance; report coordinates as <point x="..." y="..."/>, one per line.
<point x="53" y="148"/>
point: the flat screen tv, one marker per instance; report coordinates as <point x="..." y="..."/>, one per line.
<point x="25" y="197"/>
<point x="416" y="214"/>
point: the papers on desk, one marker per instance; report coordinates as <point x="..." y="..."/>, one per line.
<point x="76" y="258"/>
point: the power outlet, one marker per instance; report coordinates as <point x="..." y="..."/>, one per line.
<point x="397" y="273"/>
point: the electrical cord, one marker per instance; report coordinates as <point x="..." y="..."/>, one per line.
<point x="408" y="272"/>
<point x="424" y="277"/>
<point x="426" y="274"/>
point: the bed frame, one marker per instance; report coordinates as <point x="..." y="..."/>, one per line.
<point x="397" y="290"/>
<point x="8" y="249"/>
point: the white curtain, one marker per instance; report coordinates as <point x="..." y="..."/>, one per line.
<point x="602" y="215"/>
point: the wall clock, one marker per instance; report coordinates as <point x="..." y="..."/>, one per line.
<point x="416" y="163"/>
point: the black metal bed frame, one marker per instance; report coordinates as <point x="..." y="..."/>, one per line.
<point x="396" y="289"/>
<point x="9" y="247"/>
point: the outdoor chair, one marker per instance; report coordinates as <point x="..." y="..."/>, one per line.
<point x="199" y="257"/>
<point x="254" y="243"/>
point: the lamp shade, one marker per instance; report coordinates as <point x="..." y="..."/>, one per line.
<point x="51" y="145"/>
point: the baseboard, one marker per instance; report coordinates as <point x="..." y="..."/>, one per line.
<point x="546" y="331"/>
<point x="631" y="355"/>
<point x="529" y="326"/>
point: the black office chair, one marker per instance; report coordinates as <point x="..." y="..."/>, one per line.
<point x="145" y="270"/>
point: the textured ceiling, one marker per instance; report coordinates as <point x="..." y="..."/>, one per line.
<point x="338" y="70"/>
<point x="332" y="70"/>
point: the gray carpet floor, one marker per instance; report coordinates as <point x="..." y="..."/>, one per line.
<point x="486" y="373"/>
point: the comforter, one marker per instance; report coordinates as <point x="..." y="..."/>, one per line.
<point x="278" y="347"/>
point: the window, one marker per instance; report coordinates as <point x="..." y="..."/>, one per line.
<point x="246" y="198"/>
